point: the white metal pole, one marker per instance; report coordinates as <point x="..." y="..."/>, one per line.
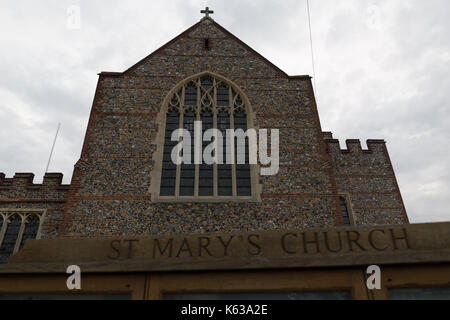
<point x="53" y="147"/>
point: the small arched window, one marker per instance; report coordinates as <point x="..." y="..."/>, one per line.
<point x="218" y="104"/>
<point x="10" y="237"/>
<point x="31" y="229"/>
<point x="345" y="212"/>
<point x="16" y="227"/>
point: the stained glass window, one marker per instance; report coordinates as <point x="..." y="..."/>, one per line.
<point x="206" y="172"/>
<point x="243" y="180"/>
<point x="344" y="211"/>
<point x="31" y="230"/>
<point x="10" y="238"/>
<point x="169" y="169"/>
<point x="18" y="227"/>
<point x="217" y="105"/>
<point x="187" y="177"/>
<point x="190" y="98"/>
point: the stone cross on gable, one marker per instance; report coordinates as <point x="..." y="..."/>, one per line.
<point x="207" y="12"/>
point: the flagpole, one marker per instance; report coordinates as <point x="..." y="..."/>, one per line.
<point x="53" y="147"/>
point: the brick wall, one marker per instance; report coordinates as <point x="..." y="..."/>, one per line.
<point x="368" y="178"/>
<point x="109" y="193"/>
<point x="20" y="192"/>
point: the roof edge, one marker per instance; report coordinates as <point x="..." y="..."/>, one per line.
<point x="110" y="74"/>
<point x="187" y="31"/>
<point x="119" y="74"/>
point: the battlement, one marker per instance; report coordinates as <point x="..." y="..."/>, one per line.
<point x="356" y="160"/>
<point x="353" y="145"/>
<point x="367" y="177"/>
<point x="25" y="181"/>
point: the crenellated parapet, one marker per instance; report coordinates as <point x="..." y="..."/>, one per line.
<point x="354" y="145"/>
<point x="21" y="186"/>
<point x="356" y="160"/>
<point x="21" y="195"/>
<point x="367" y="178"/>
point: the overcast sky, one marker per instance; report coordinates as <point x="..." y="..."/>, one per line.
<point x="382" y="72"/>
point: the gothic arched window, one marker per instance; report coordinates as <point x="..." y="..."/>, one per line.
<point x="216" y="103"/>
<point x="345" y="212"/>
<point x="13" y="224"/>
<point x="31" y="229"/>
<point x="16" y="227"/>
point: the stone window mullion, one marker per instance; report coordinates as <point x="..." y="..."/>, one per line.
<point x="33" y="224"/>
<point x="3" y="226"/>
<point x="233" y="166"/>
<point x="41" y="222"/>
<point x="232" y="147"/>
<point x="16" y="227"/>
<point x="20" y="235"/>
<point x="221" y="105"/>
<point x="216" y="168"/>
<point x="178" y="174"/>
<point x="346" y="210"/>
<point x="198" y="112"/>
<point x="197" y="168"/>
<point x="9" y="242"/>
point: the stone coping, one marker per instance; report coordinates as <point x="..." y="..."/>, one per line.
<point x="312" y="248"/>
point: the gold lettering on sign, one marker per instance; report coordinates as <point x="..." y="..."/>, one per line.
<point x="130" y="247"/>
<point x="185" y="247"/>
<point x="353" y="238"/>
<point x="403" y="237"/>
<point x="115" y="247"/>
<point x="292" y="243"/>
<point x="327" y="243"/>
<point x="372" y="243"/>
<point x="225" y="244"/>
<point x="203" y="243"/>
<point x="283" y="242"/>
<point x="168" y="247"/>
<point x="255" y="246"/>
<point x="310" y="242"/>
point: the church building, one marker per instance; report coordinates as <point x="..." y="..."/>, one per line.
<point x="138" y="225"/>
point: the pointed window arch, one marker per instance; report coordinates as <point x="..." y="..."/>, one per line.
<point x="16" y="227"/>
<point x="346" y="210"/>
<point x="220" y="104"/>
<point x="31" y="228"/>
<point x="13" y="224"/>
